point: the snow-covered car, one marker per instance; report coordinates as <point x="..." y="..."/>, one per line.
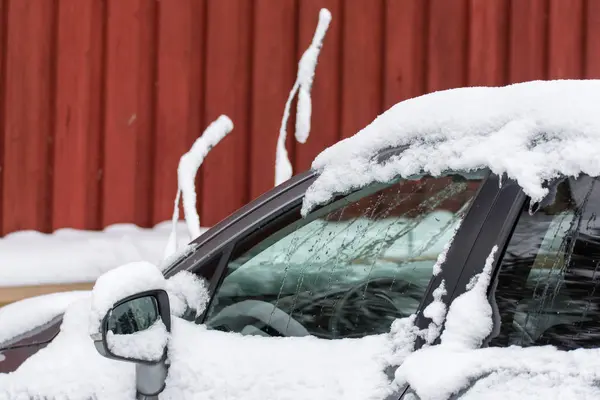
<point x="449" y="249"/>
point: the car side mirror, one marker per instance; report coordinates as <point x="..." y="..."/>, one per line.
<point x="136" y="328"/>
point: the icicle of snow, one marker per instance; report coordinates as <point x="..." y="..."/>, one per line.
<point x="302" y="86"/>
<point x="436" y="311"/>
<point x="441" y="259"/>
<point x="283" y="166"/>
<point x="186" y="176"/>
<point x="172" y="241"/>
<point x="306" y="74"/>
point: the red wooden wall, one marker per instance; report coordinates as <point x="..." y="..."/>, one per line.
<point x="99" y="98"/>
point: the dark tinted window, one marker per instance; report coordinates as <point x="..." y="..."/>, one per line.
<point x="548" y="285"/>
<point x="133" y="316"/>
<point x="347" y="270"/>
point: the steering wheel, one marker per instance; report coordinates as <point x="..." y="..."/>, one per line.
<point x="238" y="317"/>
<point x="521" y="330"/>
<point x="407" y="289"/>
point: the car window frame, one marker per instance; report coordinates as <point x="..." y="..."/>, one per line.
<point x="496" y="230"/>
<point x="480" y="220"/>
<point x="218" y="240"/>
<point x="287" y="198"/>
<point x="281" y="223"/>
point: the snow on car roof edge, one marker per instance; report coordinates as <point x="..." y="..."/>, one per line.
<point x="532" y="132"/>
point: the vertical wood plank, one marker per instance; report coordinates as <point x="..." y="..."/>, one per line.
<point x="3" y="50"/>
<point x="127" y="170"/>
<point x="228" y="63"/>
<point x="362" y="77"/>
<point x="528" y="40"/>
<point x="273" y="73"/>
<point x="565" y="39"/>
<point x="488" y="49"/>
<point x="404" y="55"/>
<point x="28" y="115"/>
<point x="326" y="92"/>
<point x="78" y="115"/>
<point x="179" y="96"/>
<point x="592" y="44"/>
<point x="447" y="44"/>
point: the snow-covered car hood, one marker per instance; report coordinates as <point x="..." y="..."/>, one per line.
<point x="211" y="365"/>
<point x="19" y="318"/>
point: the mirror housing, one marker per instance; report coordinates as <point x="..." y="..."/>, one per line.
<point x="136" y="329"/>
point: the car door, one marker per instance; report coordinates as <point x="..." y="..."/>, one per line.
<point x="350" y="268"/>
<point x="546" y="282"/>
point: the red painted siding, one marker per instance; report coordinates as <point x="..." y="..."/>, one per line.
<point x="99" y="98"/>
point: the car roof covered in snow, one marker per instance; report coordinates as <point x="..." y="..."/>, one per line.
<point x="532" y="132"/>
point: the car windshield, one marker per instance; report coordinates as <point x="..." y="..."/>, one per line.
<point x="366" y="244"/>
<point x="353" y="266"/>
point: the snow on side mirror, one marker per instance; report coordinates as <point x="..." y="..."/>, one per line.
<point x="137" y="328"/>
<point x="130" y="318"/>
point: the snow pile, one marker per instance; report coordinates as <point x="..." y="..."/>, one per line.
<point x="436" y="373"/>
<point x="216" y="365"/>
<point x="259" y="368"/>
<point x="69" y="255"/>
<point x="531" y="131"/>
<point x="470" y="315"/>
<point x="468" y="323"/>
<point x="146" y="345"/>
<point x="403" y="335"/>
<point x="25" y="315"/>
<point x="70" y="367"/>
<point x="187" y="292"/>
<point x="224" y="366"/>
<point x="186" y="176"/>
<point x="436" y="311"/>
<point x="302" y="86"/>
<point x="121" y="282"/>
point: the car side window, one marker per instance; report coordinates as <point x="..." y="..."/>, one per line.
<point x="548" y="286"/>
<point x="348" y="269"/>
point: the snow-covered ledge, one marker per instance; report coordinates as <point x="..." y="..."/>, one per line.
<point x="70" y="256"/>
